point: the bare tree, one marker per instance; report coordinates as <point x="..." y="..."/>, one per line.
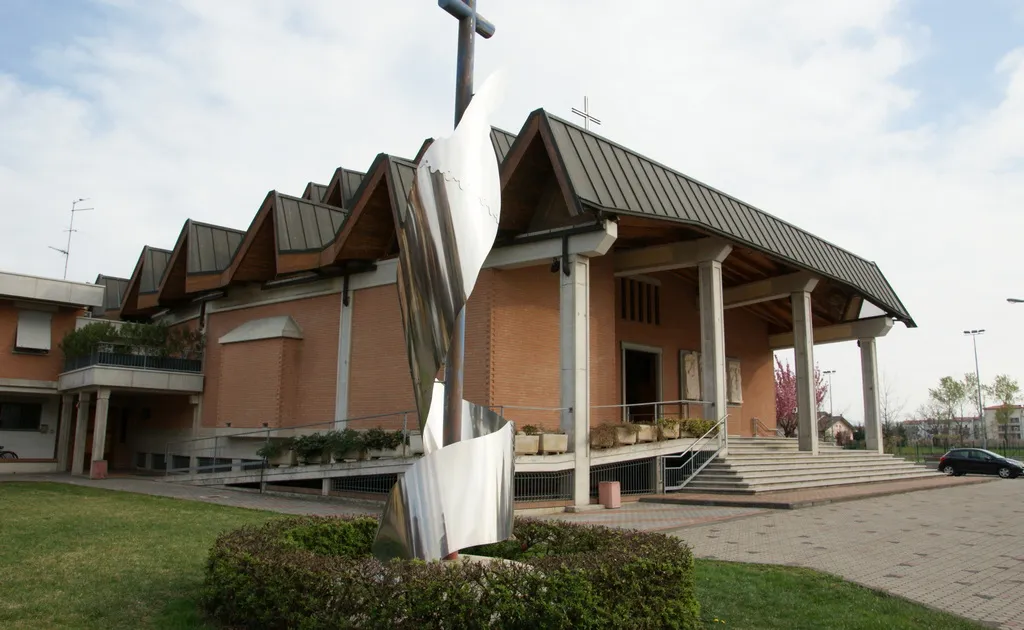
<point x="891" y="408"/>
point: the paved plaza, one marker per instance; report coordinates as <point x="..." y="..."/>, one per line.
<point x="954" y="548"/>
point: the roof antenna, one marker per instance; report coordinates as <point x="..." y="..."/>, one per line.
<point x="585" y="114"/>
<point x="66" y="252"/>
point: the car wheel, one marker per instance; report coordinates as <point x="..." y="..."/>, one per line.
<point x="1005" y="472"/>
<point x="949" y="470"/>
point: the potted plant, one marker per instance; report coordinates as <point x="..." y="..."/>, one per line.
<point x="646" y="432"/>
<point x="553" y="442"/>
<point x="603" y="436"/>
<point x="310" y="448"/>
<point x="348" y="445"/>
<point x="696" y="427"/>
<point x="528" y="441"/>
<point x="668" y="429"/>
<point x="626" y="433"/>
<point x="381" y="443"/>
<point x="278" y="453"/>
<point x="413" y="444"/>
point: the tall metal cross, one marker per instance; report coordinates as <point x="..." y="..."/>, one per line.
<point x="587" y="118"/>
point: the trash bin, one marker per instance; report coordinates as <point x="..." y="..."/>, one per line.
<point x="609" y="494"/>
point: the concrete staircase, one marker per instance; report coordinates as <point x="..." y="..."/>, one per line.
<point x="771" y="464"/>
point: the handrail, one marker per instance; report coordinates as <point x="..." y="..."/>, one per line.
<point x="760" y="427"/>
<point x="719" y="426"/>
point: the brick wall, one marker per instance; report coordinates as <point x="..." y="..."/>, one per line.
<point x="310" y="368"/>
<point x="44" y="367"/>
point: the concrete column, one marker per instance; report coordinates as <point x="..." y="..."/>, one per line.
<point x="344" y="359"/>
<point x="574" y="351"/>
<point x="67" y="411"/>
<point x="197" y="421"/>
<point x="872" y="414"/>
<point x="803" y="345"/>
<point x="81" y="428"/>
<point x="325" y="487"/>
<point x="99" y="435"/>
<point x="712" y="344"/>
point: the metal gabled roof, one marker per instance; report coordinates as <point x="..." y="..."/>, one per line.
<point x="113" y="292"/>
<point x="314" y="192"/>
<point x="607" y="176"/>
<point x="303" y="225"/>
<point x="502" y="141"/>
<point x="402" y="173"/>
<point x="211" y="248"/>
<point x="154" y="265"/>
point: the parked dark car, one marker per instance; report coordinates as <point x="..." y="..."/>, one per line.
<point x="978" y="461"/>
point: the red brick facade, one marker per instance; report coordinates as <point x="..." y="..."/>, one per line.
<point x="36" y="367"/>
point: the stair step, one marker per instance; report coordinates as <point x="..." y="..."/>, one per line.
<point x="810" y="475"/>
<point x="713" y="469"/>
<point x="697" y="486"/>
<point x="802" y="459"/>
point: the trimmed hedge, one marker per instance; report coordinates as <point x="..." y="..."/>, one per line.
<point x="316" y="572"/>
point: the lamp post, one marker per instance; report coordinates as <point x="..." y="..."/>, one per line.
<point x="977" y="376"/>
<point x="829" y="374"/>
<point x="1015" y="300"/>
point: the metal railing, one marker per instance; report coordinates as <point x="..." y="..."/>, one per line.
<point x="636" y="476"/>
<point x="136" y="357"/>
<point x="679" y="470"/>
<point x="650" y="412"/>
<point x="761" y="429"/>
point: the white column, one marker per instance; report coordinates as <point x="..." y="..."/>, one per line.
<point x="574" y="351"/>
<point x="869" y="377"/>
<point x="712" y="344"/>
<point x="81" y="429"/>
<point x="344" y="360"/>
<point x="803" y="344"/>
<point x="99" y="430"/>
<point x="67" y="411"/>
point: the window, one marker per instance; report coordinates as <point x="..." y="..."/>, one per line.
<point x="20" y="416"/>
<point x="639" y="301"/>
<point x="33" y="332"/>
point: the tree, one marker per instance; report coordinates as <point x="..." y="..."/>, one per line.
<point x="948" y="401"/>
<point x="890" y="408"/>
<point x="971" y="393"/>
<point x="1007" y="391"/>
<point x="785" y="396"/>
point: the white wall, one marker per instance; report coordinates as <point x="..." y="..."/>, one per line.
<point x="34" y="444"/>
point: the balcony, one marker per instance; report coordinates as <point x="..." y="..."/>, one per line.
<point x="132" y="357"/>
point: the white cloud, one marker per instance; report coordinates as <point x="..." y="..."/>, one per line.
<point x="197" y="109"/>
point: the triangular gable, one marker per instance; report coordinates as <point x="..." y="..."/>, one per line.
<point x="315" y="192"/>
<point x="200" y="256"/>
<point x="343" y="188"/>
<point x="141" y="293"/>
<point x="113" y="295"/>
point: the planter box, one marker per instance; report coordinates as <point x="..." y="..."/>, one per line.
<point x="554" y="443"/>
<point x="648" y="433"/>
<point x="388" y="453"/>
<point x="415" y="446"/>
<point x="314" y="459"/>
<point x="527" y="444"/>
<point x="283" y="460"/>
<point x="351" y="456"/>
<point x="624" y="435"/>
<point x="669" y="432"/>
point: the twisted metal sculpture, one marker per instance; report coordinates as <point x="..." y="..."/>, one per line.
<point x="459" y="495"/>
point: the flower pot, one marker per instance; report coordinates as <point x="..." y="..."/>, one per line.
<point x="527" y="444"/>
<point x="284" y="460"/>
<point x="314" y="458"/>
<point x="625" y="435"/>
<point x="351" y="456"/>
<point x="648" y="433"/>
<point x="554" y="443"/>
<point x="386" y="453"/>
<point x="669" y="431"/>
<point x="415" y="446"/>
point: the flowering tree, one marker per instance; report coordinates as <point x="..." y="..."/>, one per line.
<point x="785" y="396"/>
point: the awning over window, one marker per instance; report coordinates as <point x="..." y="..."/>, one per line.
<point x="33" y="331"/>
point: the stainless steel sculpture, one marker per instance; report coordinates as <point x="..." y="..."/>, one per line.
<point x="457" y="495"/>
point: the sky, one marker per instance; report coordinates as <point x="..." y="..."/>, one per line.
<point x="893" y="128"/>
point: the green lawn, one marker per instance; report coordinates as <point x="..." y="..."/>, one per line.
<point x="73" y="557"/>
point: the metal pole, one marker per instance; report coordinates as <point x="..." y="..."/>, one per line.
<point x="981" y="410"/>
<point x="454" y="369"/>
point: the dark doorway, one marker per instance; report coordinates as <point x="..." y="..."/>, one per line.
<point x="641" y="374"/>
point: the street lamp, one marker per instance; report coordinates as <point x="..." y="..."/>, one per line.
<point x="1015" y="300"/>
<point x="829" y="374"/>
<point x="977" y="376"/>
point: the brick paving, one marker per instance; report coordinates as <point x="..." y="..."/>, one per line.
<point x="654" y="517"/>
<point x="956" y="548"/>
<point x="793" y="499"/>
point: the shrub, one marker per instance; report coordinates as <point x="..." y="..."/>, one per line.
<point x="345" y="442"/>
<point x="381" y="440"/>
<point x="697" y="427"/>
<point x="273" y="448"/>
<point x="530" y="430"/>
<point x="131" y="338"/>
<point x="311" y="445"/>
<point x="315" y="572"/>
<point x="603" y="436"/>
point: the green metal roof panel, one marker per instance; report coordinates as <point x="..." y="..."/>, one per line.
<point x="211" y="248"/>
<point x="607" y="176"/>
<point x="113" y="293"/>
<point x="502" y="141"/>
<point x="303" y="225"/>
<point x="314" y="192"/>
<point x="154" y="264"/>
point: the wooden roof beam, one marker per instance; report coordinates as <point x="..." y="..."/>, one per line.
<point x="672" y="256"/>
<point x="769" y="289"/>
<point x="847" y="331"/>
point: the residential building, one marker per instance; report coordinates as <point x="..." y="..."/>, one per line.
<point x="618" y="289"/>
<point x="1006" y="428"/>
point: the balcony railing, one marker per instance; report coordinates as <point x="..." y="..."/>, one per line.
<point x="138" y="359"/>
